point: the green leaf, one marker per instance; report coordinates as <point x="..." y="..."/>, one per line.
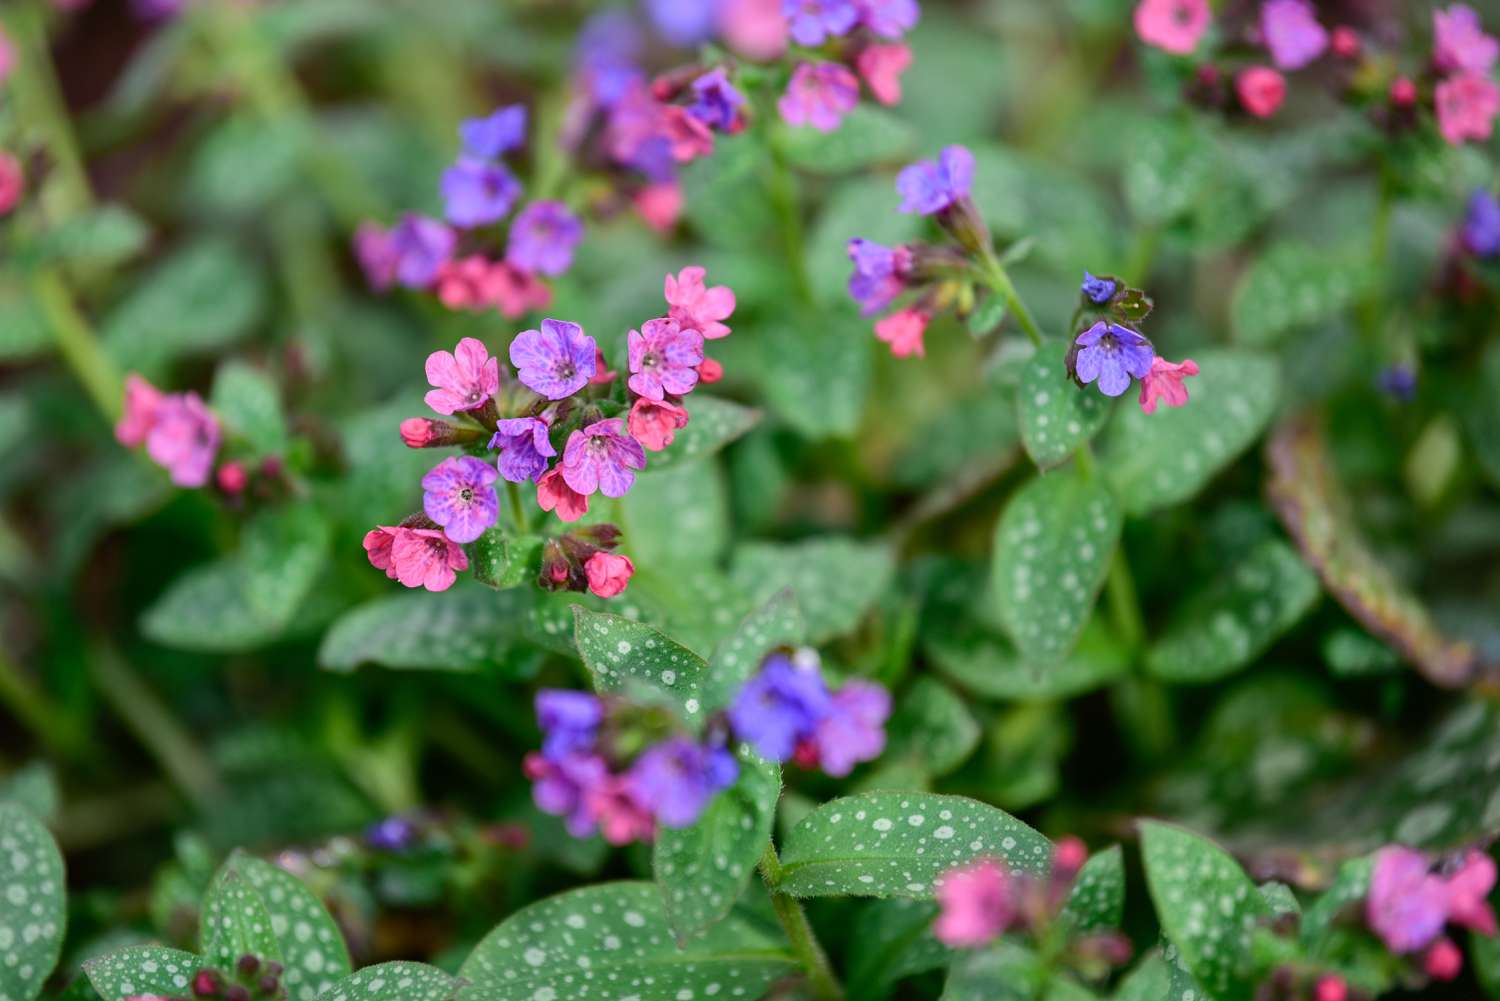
<point x="836" y="581"/>
<point x="702" y="869"/>
<point x="1097" y="900"/>
<point x="461" y="629"/>
<point x="897" y="844"/>
<point x="932" y="726"/>
<point x="1482" y="415"/>
<point x="101" y="237"/>
<point x="249" y="403"/>
<point x="1051" y="553"/>
<point x="1153" y="460"/>
<point x="1231" y="624"/>
<point x="201" y="299"/>
<point x="1206" y="904"/>
<point x="712" y="424"/>
<point x="1293" y="285"/>
<point x="859" y="206"/>
<point x="814" y="370"/>
<point x="282" y="553"/>
<point x="33" y="916"/>
<point x="677" y="518"/>
<point x="616" y="934"/>
<point x="1026" y="196"/>
<point x="776" y="623"/>
<point x="724" y="196"/>
<point x="142" y="971"/>
<point x="988" y="315"/>
<point x="395" y="981"/>
<point x="34" y="786"/>
<point x="867" y="136"/>
<point x="1350" y="885"/>
<point x="1149" y="981"/>
<point x="312" y="947"/>
<point x="243" y="164"/>
<point x="1169" y="165"/>
<point x="987" y="664"/>
<point x="1055" y="414"/>
<point x="208" y="609"/>
<point x="501" y="561"/>
<point x="24" y="332"/>
<point x="893" y="939"/>
<point x="1001" y="972"/>
<point x="632" y="658"/>
<point x="235" y="923"/>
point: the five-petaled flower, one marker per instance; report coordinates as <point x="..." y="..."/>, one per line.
<point x="1163" y="383"/>
<point x="697" y="306"/>
<point x="819" y="95"/>
<point x="556" y="361"/>
<point x="1111" y="355"/>
<point x="524" y="448"/>
<point x="602" y="457"/>
<point x="664" y="358"/>
<point x="464" y="378"/>
<point x="930" y="186"/>
<point x="459" y="495"/>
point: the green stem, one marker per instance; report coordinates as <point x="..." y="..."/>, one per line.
<point x="799" y="932"/>
<point x="1124" y="606"/>
<point x="80" y="348"/>
<point x="998" y="279"/>
<point x="516" y="509"/>
<point x="37" y="713"/>
<point x="781" y="185"/>
<point x="1380" y="248"/>
<point x="40" y="99"/>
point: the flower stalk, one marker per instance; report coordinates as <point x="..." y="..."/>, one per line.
<point x="799" y="932"/>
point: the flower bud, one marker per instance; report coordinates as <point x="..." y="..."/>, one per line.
<point x="608" y="573"/>
<point x="426" y="432"/>
<point x="962" y="220"/>
<point x="710" y="372"/>
<point x="235" y="992"/>
<point x="1331" y="988"/>
<point x="207" y="984"/>
<point x="1403" y="92"/>
<point x="247" y="966"/>
<point x="1345" y="44"/>
<point x="1443" y="961"/>
<point x="232" y="478"/>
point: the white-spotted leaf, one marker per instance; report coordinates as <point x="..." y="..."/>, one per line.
<point x="247" y="400"/>
<point x="931" y="727"/>
<point x="898" y="844"/>
<point x="235" y="923"/>
<point x="32" y="895"/>
<point x="1055" y="414"/>
<point x="461" y="629"/>
<point x="986" y="664"/>
<point x="142" y="970"/>
<point x="776" y="623"/>
<point x="629" y="657"/>
<point x="312" y="947"/>
<point x="1293" y="286"/>
<point x="1052" y="550"/>
<point x="836" y="580"/>
<point x="395" y="981"/>
<point x="1097" y="899"/>
<point x="611" y="941"/>
<point x="282" y="552"/>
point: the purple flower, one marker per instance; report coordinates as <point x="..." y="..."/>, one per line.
<point x="812" y="22"/>
<point x="820" y="95"/>
<point x="156" y="10"/>
<point x="556" y="361"/>
<point x="458" y="494"/>
<point x="1098" y="290"/>
<point x="1407" y="905"/>
<point x="391" y="834"/>
<point x="1292" y="33"/>
<point x="778" y="707"/>
<point x="854" y="728"/>
<point x="1459" y="41"/>
<point x="421" y="245"/>
<point x="1398" y="381"/>
<point x="184" y="438"/>
<point x="376" y="253"/>
<point x="565" y="786"/>
<point x="524" y="448"/>
<point x="1112" y="355"/>
<point x="684" y="23"/>
<point x="716" y="102"/>
<point x="496" y="134"/>
<point x="664" y="358"/>
<point x="636" y="134"/>
<point x="608" y="54"/>
<point x="569" y="720"/>
<point x="932" y="185"/>
<point x="601" y="457"/>
<point x="678" y="777"/>
<point x="888" y="18"/>
<point x="542" y="238"/>
<point x="879" y="276"/>
<point x="476" y="193"/>
<point x="1481" y="229"/>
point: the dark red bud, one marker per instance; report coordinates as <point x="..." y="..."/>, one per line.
<point x="247" y="965"/>
<point x="237" y="993"/>
<point x="1345" y="42"/>
<point x="206" y="984"/>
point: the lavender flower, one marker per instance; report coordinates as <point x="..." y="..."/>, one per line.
<point x="556" y="361"/>
<point x="1111" y="355"/>
<point x="391" y="834"/>
<point x="1292" y="33"/>
<point x="542" y="238"/>
<point x="566" y="786"/>
<point x="608" y="55"/>
<point x="932" y="185"/>
<point x="1407" y="905"/>
<point x="678" y="777"/>
<point x="601" y="457"/>
<point x="684" y="23"/>
<point x="569" y="720"/>
<point x="812" y="22"/>
<point x="1481" y="228"/>
<point x="664" y="358"/>
<point x="496" y="134"/>
<point x="879" y="276"/>
<point x="421" y="245"/>
<point x="459" y="495"/>
<point x="888" y="18"/>
<point x="1098" y="290"/>
<point x="854" y="728"/>
<point x="716" y="102"/>
<point x="524" y="448"/>
<point x="476" y="193"/>
<point x="779" y="707"/>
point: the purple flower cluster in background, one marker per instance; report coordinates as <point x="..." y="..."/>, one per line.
<point x="786" y="712"/>
<point x="821" y="92"/>
<point x="1409" y="904"/>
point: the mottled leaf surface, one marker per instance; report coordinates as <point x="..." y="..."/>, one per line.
<point x="33" y="915"/>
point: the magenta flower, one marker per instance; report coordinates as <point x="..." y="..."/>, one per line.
<point x="524" y="448"/>
<point x="812" y="22"/>
<point x="556" y="361"/>
<point x="678" y="777"/>
<point x="417" y="557"/>
<point x="697" y="307"/>
<point x="1466" y="107"/>
<point x="903" y="330"/>
<point x="376" y="253"/>
<point x="1468" y="893"/>
<point x="853" y="729"/>
<point x="880" y="274"/>
<point x="1260" y="90"/>
<point x="930" y="186"/>
<point x="888" y="18"/>
<point x="1459" y="41"/>
<point x="465" y="378"/>
<point x="563" y="786"/>
<point x="664" y="358"/>
<point x="622" y="818"/>
<point x="600" y="457"/>
<point x="476" y="193"/>
<point x="142" y="401"/>
<point x="820" y="95"/>
<point x="1407" y="905"/>
<point x="7" y="56"/>
<point x="542" y="238"/>
<point x="608" y="573"/>
<point x="1112" y="355"/>
<point x="978" y="904"/>
<point x="654" y="423"/>
<point x="1164" y="383"/>
<point x="421" y="245"/>
<point x="459" y="494"/>
<point x="184" y="439"/>
<point x="12" y="183"/>
<point x="1175" y="26"/>
<point x="1292" y="33"/>
<point x="496" y="134"/>
<point x="554" y="494"/>
<point x="881" y="67"/>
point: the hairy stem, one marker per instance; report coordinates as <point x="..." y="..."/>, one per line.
<point x="998" y="279"/>
<point x="799" y="932"/>
<point x="516" y="509"/>
<point x="78" y="345"/>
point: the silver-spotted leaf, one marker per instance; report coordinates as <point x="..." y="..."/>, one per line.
<point x="1097" y="899"/>
<point x="631" y="657"/>
<point x="235" y="923"/>
<point x="1054" y="413"/>
<point x="461" y="629"/>
<point x="142" y="971"/>
<point x="835" y="580"/>
<point x="247" y="400"/>
<point x="282" y="552"/>
<point x="988" y="665"/>
<point x="33" y="915"/>
<point x="712" y="424"/>
<point x="933" y="727"/>
<point x="776" y="623"/>
<point x="312" y="947"/>
<point x="395" y="981"/>
<point x="1293" y="285"/>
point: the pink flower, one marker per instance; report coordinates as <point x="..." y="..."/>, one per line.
<point x="697" y="307"/>
<point x="854" y="728"/>
<point x="756" y="29"/>
<point x="465" y="377"/>
<point x="653" y="423"/>
<point x="1261" y="90"/>
<point x="1173" y="25"/>
<point x="515" y="292"/>
<point x="608" y="573"/>
<point x="420" y="432"/>
<point x="376" y="253"/>
<point x="423" y="557"/>
<point x="553" y="493"/>
<point x="142" y="401"/>
<point x="1407" y="905"/>
<point x="1466" y="107"/>
<point x="231" y="478"/>
<point x="461" y="282"/>
<point x="1459" y="41"/>
<point x="622" y="818"/>
<point x="690" y="138"/>
<point x="1292" y="33"/>
<point x="1164" y="383"/>
<point x="378" y="543"/>
<point x="977" y="905"/>
<point x="1468" y="892"/>
<point x="710" y="372"/>
<point x="1331" y="988"/>
<point x="12" y="183"/>
<point x="664" y="358"/>
<point x="184" y="438"/>
<point x="1443" y="961"/>
<point x="1346" y="45"/>
<point x="820" y="95"/>
<point x="660" y="205"/>
<point x="603" y="374"/>
<point x="903" y="331"/>
<point x="882" y="66"/>
<point x="602" y="457"/>
<point x="1403" y="92"/>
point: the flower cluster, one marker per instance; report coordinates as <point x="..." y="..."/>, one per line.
<point x="842" y="43"/>
<point x="983" y="900"/>
<point x="1409" y="904"/>
<point x="478" y="191"/>
<point x="612" y="766"/>
<point x="563" y="422"/>
<point x="179" y="431"/>
<point x="1110" y="352"/>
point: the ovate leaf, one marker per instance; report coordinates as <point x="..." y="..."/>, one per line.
<point x="897" y="844"/>
<point x="312" y="947"/>
<point x="633" y="658"/>
<point x="1055" y="414"/>
<point x="776" y="623"/>
<point x="461" y="629"/>
<point x="249" y="403"/>
<point x="209" y="609"/>
<point x="987" y="664"/>
<point x="100" y="237"/>
<point x="932" y="727"/>
<point x="836" y="581"/>
<point x="397" y="981"/>
<point x="235" y="923"/>
<point x="712" y="424"/>
<point x="814" y="369"/>
<point x="282" y="553"/>
<point x="1097" y="899"/>
<point x="500" y="560"/>
<point x="1293" y="285"/>
<point x="142" y="971"/>
<point x="33" y="915"/>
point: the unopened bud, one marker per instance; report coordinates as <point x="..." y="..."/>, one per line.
<point x="1068" y="857"/>
<point x="1331" y="988"/>
<point x="236" y="993"/>
<point x="710" y="372"/>
<point x="425" y="432"/>
<point x="1403" y="92"/>
<point x="231" y="478"/>
<point x="206" y="984"/>
<point x="247" y="966"/>
<point x="1345" y="44"/>
<point x="269" y="986"/>
<point x="1443" y="961"/>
